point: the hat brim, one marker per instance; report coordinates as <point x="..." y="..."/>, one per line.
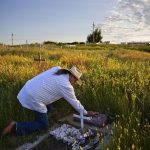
<point x="79" y="81"/>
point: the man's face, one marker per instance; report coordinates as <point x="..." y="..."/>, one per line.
<point x="72" y="79"/>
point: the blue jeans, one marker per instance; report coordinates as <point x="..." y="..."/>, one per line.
<point x="40" y="123"/>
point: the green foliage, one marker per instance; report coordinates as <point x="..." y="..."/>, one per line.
<point x="116" y="81"/>
<point x="95" y="37"/>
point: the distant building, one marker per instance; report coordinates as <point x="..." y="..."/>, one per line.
<point x="70" y="46"/>
<point x="138" y="43"/>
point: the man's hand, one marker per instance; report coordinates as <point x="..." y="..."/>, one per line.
<point x="92" y="113"/>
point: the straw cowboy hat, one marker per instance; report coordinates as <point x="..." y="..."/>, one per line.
<point x="77" y="73"/>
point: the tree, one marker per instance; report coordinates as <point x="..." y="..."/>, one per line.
<point x="95" y="37"/>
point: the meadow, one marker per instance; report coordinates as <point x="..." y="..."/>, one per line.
<point x="116" y="81"/>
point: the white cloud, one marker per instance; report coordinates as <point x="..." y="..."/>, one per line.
<point x="130" y="20"/>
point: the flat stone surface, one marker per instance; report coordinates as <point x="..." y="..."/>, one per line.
<point x="69" y="119"/>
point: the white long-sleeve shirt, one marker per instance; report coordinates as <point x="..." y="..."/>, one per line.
<point x="47" y="88"/>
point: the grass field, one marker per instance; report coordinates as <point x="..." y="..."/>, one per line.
<point x="116" y="81"/>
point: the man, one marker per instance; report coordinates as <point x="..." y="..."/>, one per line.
<point x="43" y="90"/>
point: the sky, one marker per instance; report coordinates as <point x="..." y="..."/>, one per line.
<point x="72" y="20"/>
<point x="129" y="21"/>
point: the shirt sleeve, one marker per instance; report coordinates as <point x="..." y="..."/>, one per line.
<point x="69" y="96"/>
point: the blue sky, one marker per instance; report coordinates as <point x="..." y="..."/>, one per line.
<point x="55" y="20"/>
<point x="71" y="20"/>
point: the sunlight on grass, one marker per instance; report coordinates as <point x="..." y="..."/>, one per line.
<point x="115" y="81"/>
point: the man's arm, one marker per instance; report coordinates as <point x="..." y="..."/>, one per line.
<point x="69" y="96"/>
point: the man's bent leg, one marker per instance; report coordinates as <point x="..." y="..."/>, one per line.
<point x="41" y="122"/>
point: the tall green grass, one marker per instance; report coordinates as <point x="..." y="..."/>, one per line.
<point x="115" y="82"/>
